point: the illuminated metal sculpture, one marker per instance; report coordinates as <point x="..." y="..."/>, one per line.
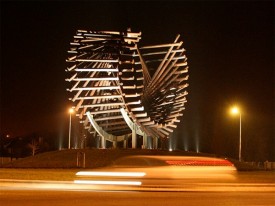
<point x="121" y="90"/>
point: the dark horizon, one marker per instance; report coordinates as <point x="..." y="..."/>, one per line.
<point x="230" y="51"/>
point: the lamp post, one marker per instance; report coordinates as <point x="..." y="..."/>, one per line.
<point x="70" y="127"/>
<point x="235" y="111"/>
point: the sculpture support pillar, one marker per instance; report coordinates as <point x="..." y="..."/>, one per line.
<point x="145" y="141"/>
<point x="114" y="144"/>
<point x="103" y="142"/>
<point x="125" y="141"/>
<point x="125" y="144"/>
<point x="155" y="142"/>
<point x="134" y="137"/>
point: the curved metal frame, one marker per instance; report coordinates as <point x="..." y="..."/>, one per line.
<point x="121" y="89"/>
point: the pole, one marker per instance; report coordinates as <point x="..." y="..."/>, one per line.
<point x="240" y="144"/>
<point x="70" y="126"/>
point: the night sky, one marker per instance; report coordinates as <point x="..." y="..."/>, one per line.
<point x="230" y="50"/>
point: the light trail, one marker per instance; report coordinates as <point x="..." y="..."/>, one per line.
<point x="79" y="185"/>
<point x="111" y="174"/>
<point x="99" y="182"/>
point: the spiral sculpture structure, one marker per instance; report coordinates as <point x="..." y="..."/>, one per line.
<point x="121" y="90"/>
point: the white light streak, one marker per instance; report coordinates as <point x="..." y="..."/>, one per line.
<point x="111" y="174"/>
<point x="98" y="182"/>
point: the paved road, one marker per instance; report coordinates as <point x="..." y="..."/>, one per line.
<point x="252" y="188"/>
<point x="79" y="198"/>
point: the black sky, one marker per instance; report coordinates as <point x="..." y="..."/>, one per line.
<point x="230" y="50"/>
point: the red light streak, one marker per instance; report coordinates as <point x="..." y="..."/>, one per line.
<point x="199" y="162"/>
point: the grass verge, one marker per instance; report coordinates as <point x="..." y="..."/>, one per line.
<point x="38" y="174"/>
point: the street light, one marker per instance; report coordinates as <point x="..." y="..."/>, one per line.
<point x="235" y="111"/>
<point x="71" y="110"/>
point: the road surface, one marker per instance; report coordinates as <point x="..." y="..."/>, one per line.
<point x="126" y="198"/>
<point x="252" y="188"/>
<point x="152" y="186"/>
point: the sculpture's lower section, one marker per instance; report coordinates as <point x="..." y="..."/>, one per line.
<point x="104" y="136"/>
